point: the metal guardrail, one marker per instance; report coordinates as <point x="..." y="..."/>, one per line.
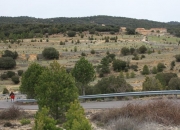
<point x="142" y="93"/>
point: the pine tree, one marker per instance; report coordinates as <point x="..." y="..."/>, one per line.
<point x="76" y="119"/>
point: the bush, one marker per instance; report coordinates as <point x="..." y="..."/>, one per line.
<point x="113" y="84"/>
<point x="15" y="79"/>
<point x="164" y="78"/>
<point x="5" y="91"/>
<point x="7" y="63"/>
<point x="174" y="83"/>
<point x="125" y="51"/>
<point x="83" y="54"/>
<point x="76" y="119"/>
<point x="152" y="84"/>
<point x="145" y="70"/>
<point x="92" y="51"/>
<point x="71" y="33"/>
<point x="142" y="49"/>
<point x="10" y="74"/>
<point x="134" y="67"/>
<point x="119" y="65"/>
<point x="11" y="54"/>
<point x="160" y="67"/>
<point x="43" y="121"/>
<point x="177" y="57"/>
<point x="154" y="70"/>
<point x="50" y="53"/>
<point x="20" y="72"/>
<point x="11" y="113"/>
<point x="25" y="121"/>
<point x="4" y="76"/>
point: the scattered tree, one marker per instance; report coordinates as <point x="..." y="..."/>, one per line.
<point x="151" y="84"/>
<point x="50" y="53"/>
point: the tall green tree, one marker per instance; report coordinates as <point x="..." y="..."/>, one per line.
<point x="30" y="79"/>
<point x="56" y="89"/>
<point x="76" y="119"/>
<point x="83" y="72"/>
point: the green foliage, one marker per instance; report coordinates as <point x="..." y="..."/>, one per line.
<point x="8" y="53"/>
<point x="20" y="72"/>
<point x="154" y="70"/>
<point x="152" y="84"/>
<point x="56" y="89"/>
<point x="71" y="33"/>
<point x="145" y="70"/>
<point x="50" y="53"/>
<point x="83" y="54"/>
<point x="5" y="91"/>
<point x="172" y="65"/>
<point x="142" y="49"/>
<point x="113" y="84"/>
<point x="83" y="72"/>
<point x="132" y="75"/>
<point x="43" y="121"/>
<point x="125" y="51"/>
<point x="10" y="74"/>
<point x="76" y="119"/>
<point x="4" y="76"/>
<point x="160" y="67"/>
<point x="93" y="51"/>
<point x="30" y="79"/>
<point x="119" y="65"/>
<point x="174" y="84"/>
<point x="132" y="50"/>
<point x="25" y="121"/>
<point x="75" y="49"/>
<point x="134" y="67"/>
<point x="177" y="57"/>
<point x="164" y="78"/>
<point x="15" y="79"/>
<point x="7" y="63"/>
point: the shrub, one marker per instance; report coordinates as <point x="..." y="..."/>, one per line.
<point x="119" y="65"/>
<point x="15" y="79"/>
<point x="7" y="63"/>
<point x="161" y="111"/>
<point x="125" y="51"/>
<point x="92" y="51"/>
<point x="11" y="54"/>
<point x="177" y="57"/>
<point x="10" y="74"/>
<point x="4" y="76"/>
<point x="154" y="70"/>
<point x="5" y="91"/>
<point x="113" y="84"/>
<point x="11" y="113"/>
<point x="132" y="50"/>
<point x="134" y="67"/>
<point x="43" y="121"/>
<point x="160" y="67"/>
<point x="76" y="119"/>
<point x="164" y="78"/>
<point x="145" y="70"/>
<point x="71" y="33"/>
<point x="143" y="56"/>
<point x="25" y="121"/>
<point x="83" y="54"/>
<point x="50" y="53"/>
<point x="174" y="83"/>
<point x="20" y="72"/>
<point x="142" y="49"/>
<point x="151" y="84"/>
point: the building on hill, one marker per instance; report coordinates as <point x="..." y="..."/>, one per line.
<point x="122" y="30"/>
<point x="152" y="31"/>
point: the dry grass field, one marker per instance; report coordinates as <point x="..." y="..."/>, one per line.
<point x="165" y="47"/>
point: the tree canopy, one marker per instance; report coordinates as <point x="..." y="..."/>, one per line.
<point x="83" y="72"/>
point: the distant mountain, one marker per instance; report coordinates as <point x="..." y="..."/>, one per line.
<point x="107" y="20"/>
<point x="174" y="23"/>
<point x="18" y="25"/>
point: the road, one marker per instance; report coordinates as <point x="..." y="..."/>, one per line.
<point x="87" y="105"/>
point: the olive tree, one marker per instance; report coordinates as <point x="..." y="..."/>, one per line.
<point x="83" y="72"/>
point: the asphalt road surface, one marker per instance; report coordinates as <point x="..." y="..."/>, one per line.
<point x="87" y="105"/>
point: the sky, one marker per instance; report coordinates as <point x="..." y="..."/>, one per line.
<point x="156" y="10"/>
